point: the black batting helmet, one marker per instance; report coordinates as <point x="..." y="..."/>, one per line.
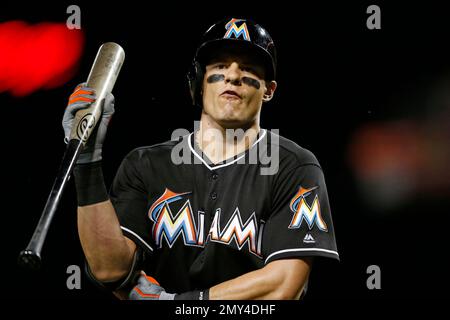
<point x="230" y="33"/>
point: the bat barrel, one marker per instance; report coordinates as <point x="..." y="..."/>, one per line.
<point x="31" y="256"/>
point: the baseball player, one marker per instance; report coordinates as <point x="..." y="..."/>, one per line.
<point x="212" y="226"/>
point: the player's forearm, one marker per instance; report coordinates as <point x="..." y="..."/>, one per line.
<point x="108" y="253"/>
<point x="279" y="280"/>
<point x="250" y="286"/>
<point x="106" y="249"/>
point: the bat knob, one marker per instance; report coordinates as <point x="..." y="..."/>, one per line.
<point x="30" y="260"/>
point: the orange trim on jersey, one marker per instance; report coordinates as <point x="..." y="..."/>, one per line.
<point x="193" y="232"/>
<point x="299" y="194"/>
<point x="241" y="241"/>
<point x="165" y="196"/>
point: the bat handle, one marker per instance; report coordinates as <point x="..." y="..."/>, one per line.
<point x="31" y="256"/>
<point x="30" y="259"/>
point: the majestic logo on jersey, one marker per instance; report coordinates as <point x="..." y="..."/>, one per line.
<point x="234" y="30"/>
<point x="169" y="226"/>
<point x="303" y="211"/>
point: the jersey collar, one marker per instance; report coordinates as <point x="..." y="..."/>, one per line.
<point x="204" y="159"/>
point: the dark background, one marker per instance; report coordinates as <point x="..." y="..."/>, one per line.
<point x="335" y="78"/>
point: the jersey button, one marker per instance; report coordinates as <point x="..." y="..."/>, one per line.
<point x="213" y="196"/>
<point x="215" y="176"/>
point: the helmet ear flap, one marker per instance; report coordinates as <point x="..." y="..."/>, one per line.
<point x="195" y="79"/>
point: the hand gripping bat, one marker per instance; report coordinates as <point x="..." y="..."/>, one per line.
<point x="102" y="78"/>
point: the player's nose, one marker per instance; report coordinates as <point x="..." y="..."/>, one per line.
<point x="233" y="74"/>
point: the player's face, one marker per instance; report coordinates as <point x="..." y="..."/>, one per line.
<point x="234" y="89"/>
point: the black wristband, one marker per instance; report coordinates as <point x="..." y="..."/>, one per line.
<point x="90" y="184"/>
<point x="193" y="295"/>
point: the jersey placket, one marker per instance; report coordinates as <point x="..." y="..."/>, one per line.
<point x="212" y="194"/>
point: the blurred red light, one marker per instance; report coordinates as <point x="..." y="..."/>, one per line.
<point x="37" y="56"/>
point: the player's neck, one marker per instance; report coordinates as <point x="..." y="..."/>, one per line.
<point x="219" y="143"/>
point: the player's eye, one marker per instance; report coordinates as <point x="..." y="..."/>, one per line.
<point x="248" y="69"/>
<point x="220" y="66"/>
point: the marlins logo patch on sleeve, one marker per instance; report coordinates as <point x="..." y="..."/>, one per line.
<point x="305" y="212"/>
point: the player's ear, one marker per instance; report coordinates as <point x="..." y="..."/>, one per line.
<point x="270" y="90"/>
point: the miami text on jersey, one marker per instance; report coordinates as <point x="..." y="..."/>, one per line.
<point x="302" y="211"/>
<point x="169" y="226"/>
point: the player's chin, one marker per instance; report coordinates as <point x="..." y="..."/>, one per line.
<point x="234" y="122"/>
<point x="230" y="124"/>
<point x="232" y="116"/>
<point x="230" y="109"/>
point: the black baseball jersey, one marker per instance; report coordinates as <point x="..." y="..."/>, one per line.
<point x="201" y="224"/>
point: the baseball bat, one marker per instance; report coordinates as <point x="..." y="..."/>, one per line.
<point x="102" y="78"/>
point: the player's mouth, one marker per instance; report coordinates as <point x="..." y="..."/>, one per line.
<point x="230" y="94"/>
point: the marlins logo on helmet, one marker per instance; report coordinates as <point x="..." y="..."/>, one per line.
<point x="234" y="30"/>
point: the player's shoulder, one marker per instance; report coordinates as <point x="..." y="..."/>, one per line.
<point x="154" y="151"/>
<point x="290" y="152"/>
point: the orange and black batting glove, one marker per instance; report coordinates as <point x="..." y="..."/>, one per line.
<point x="88" y="173"/>
<point x="149" y="289"/>
<point x="82" y="98"/>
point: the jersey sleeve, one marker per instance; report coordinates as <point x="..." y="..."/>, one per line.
<point x="128" y="195"/>
<point x="300" y="223"/>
